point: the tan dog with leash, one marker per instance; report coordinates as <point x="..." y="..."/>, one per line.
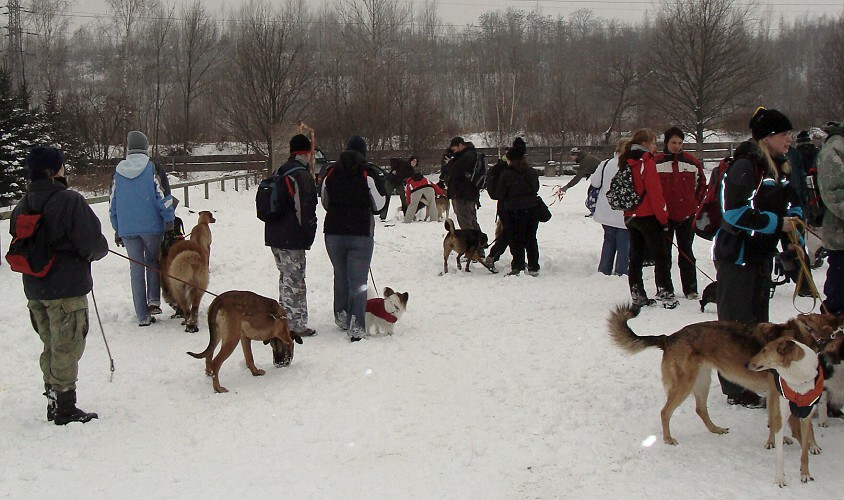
<point x="201" y="232"/>
<point x="184" y="279"/>
<point x="240" y="316"/>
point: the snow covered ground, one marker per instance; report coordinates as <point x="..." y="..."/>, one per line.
<point x="492" y="387"/>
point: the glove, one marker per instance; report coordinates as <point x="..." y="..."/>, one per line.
<point x="169" y="227"/>
<point x="167" y="241"/>
<point x="118" y="240"/>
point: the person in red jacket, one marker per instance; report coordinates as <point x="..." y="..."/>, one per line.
<point x="418" y="190"/>
<point x="683" y="186"/>
<point x="647" y="222"/>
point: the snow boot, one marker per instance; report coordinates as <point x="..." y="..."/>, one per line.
<point x="669" y="301"/>
<point x="640" y="298"/>
<point x="66" y="410"/>
<point x="51" y="402"/>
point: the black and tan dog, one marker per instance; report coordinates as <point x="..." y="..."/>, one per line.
<point x="465" y="242"/>
<point x="238" y="316"/>
<point x="690" y="354"/>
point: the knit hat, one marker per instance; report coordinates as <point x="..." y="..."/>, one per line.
<point x="357" y="143"/>
<point x="300" y="144"/>
<point x="766" y="122"/>
<point x="43" y="162"/>
<point x="456" y="142"/>
<point x="136" y="142"/>
<point x="803" y="138"/>
<point x="575" y="151"/>
<point x="518" y="150"/>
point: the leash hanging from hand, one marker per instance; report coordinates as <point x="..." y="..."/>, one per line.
<point x="371" y="276"/>
<point x="803" y="271"/>
<point x="102" y="330"/>
<point x="683" y="254"/>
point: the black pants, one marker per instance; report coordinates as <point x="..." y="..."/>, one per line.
<point x="743" y="295"/>
<point x="833" y="288"/>
<point x="686" y="256"/>
<point x="502" y="241"/>
<point x="521" y="226"/>
<point x="647" y="232"/>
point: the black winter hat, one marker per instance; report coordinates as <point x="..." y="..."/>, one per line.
<point x="43" y="162"/>
<point x="456" y="142"/>
<point x="767" y="122"/>
<point x="803" y="138"/>
<point x="357" y="143"/>
<point x="518" y="150"/>
<point x="300" y="144"/>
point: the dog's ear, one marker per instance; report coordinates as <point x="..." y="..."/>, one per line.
<point x="388" y="291"/>
<point x="404" y="296"/>
<point x="295" y="336"/>
<point x="786" y="346"/>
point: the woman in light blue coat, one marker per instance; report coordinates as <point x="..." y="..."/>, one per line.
<point x="141" y="210"/>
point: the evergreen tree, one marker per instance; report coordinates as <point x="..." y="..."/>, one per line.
<point x="20" y="130"/>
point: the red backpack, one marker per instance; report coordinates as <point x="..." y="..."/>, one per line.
<point x="709" y="215"/>
<point x="30" y="252"/>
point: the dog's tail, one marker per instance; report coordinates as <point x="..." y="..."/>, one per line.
<point x="212" y="331"/>
<point x="449" y="226"/>
<point x="624" y="337"/>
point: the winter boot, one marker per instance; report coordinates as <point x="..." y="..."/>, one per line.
<point x="669" y="301"/>
<point x="640" y="298"/>
<point x="51" y="402"/>
<point x="66" y="410"/>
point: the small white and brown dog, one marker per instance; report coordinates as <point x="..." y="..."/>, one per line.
<point x="383" y="313"/>
<point x="799" y="380"/>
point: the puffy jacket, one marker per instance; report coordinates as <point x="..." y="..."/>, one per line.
<point x="140" y="201"/>
<point x="75" y="234"/>
<point x="350" y="196"/>
<point x="831" y="184"/>
<point x="646" y="181"/>
<point x="754" y="205"/>
<point x="418" y="181"/>
<point x="683" y="183"/>
<point x="517" y="187"/>
<point x="460" y="169"/>
<point x="297" y="229"/>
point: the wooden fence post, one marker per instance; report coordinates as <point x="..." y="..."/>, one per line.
<point x="235" y="183"/>
<point x="206" y="191"/>
<point x="223" y="185"/>
<point x="187" y="197"/>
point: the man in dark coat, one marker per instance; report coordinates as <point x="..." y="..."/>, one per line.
<point x="464" y="195"/>
<point x="293" y="233"/>
<point x="57" y="302"/>
<point x="587" y="166"/>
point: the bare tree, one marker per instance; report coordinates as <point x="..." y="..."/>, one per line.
<point x="830" y="69"/>
<point x="160" y="39"/>
<point x="270" y="77"/>
<point x="706" y="62"/>
<point x="50" y="21"/>
<point x="127" y="16"/>
<point x="196" y="56"/>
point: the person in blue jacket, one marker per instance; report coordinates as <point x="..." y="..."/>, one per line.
<point x="141" y="211"/>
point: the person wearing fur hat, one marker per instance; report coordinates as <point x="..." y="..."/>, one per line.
<point x="293" y="233"/>
<point x="57" y="302"/>
<point x="516" y="193"/>
<point x="350" y="196"/>
<point x="831" y="185"/>
<point x="760" y="207"/>
<point x="141" y="210"/>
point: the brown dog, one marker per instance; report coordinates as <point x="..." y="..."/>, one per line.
<point x="464" y="242"/>
<point x="201" y="233"/>
<point x="245" y="316"/>
<point x="442" y="207"/>
<point x="690" y="354"/>
<point x="184" y="278"/>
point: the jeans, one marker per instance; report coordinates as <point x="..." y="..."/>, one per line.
<point x="466" y="212"/>
<point x="146" y="282"/>
<point x="615" y="249"/>
<point x="350" y="256"/>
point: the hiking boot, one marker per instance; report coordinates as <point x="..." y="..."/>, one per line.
<point x="67" y="412"/>
<point x="307" y="332"/>
<point x="533" y="273"/>
<point x="514" y="272"/>
<point x="148" y="322"/>
<point x="51" y="402"/>
<point x="669" y="301"/>
<point x="154" y="309"/>
<point x="748" y="399"/>
<point x="692" y="296"/>
<point x="640" y="298"/>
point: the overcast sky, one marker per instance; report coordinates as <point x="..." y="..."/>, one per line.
<point x="462" y="12"/>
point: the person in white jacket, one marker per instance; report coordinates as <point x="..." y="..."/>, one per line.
<point x="616" y="237"/>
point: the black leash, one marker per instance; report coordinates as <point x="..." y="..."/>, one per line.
<point x="163" y="274"/>
<point x="102" y="330"/>
<point x="377" y="293"/>
<point x="683" y="254"/>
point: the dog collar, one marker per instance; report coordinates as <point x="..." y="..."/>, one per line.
<point x="801" y="404"/>
<point x="376" y="308"/>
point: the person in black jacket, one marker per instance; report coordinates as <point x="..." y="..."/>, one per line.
<point x="291" y="235"/>
<point x="351" y="193"/>
<point x="517" y="207"/>
<point x="464" y="195"/>
<point x="57" y="302"/>
<point x="760" y="206"/>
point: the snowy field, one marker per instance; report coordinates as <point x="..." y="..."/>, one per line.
<point x="493" y="387"/>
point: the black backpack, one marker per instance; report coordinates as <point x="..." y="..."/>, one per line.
<point x="478" y="175"/>
<point x="622" y="195"/>
<point x="271" y="203"/>
<point x="30" y="252"/>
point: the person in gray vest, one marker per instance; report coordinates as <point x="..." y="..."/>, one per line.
<point x="57" y="302"/>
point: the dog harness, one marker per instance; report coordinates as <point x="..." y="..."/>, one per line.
<point x="801" y="404"/>
<point x="376" y="307"/>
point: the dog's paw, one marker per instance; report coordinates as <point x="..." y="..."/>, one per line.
<point x="670" y="440"/>
<point x="191" y="328"/>
<point x="805" y="478"/>
<point x="814" y="449"/>
<point x="257" y="372"/>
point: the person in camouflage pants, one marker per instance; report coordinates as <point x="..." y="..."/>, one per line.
<point x="292" y="231"/>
